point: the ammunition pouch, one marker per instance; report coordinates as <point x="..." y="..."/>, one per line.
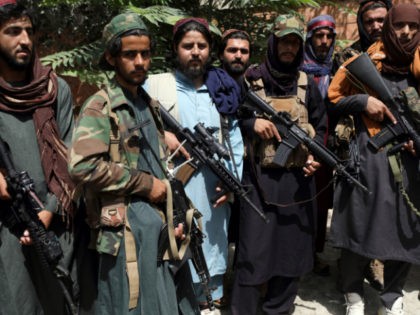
<point x="344" y="133"/>
<point x="411" y="98"/>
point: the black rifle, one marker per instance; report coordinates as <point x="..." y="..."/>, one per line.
<point x="23" y="215"/>
<point x="363" y="69"/>
<point x="292" y="135"/>
<point x="180" y="206"/>
<point x="203" y="148"/>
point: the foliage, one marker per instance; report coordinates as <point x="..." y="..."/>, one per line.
<point x="84" y="20"/>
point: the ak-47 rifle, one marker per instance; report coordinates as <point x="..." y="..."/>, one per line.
<point x="22" y="214"/>
<point x="363" y="69"/>
<point x="292" y="135"/>
<point x="203" y="148"/>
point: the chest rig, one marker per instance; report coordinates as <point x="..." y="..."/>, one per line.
<point x="265" y="150"/>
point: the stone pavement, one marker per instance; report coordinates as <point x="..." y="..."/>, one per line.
<point x="318" y="295"/>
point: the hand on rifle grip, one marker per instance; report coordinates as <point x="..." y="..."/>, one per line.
<point x="179" y="232"/>
<point x="221" y="197"/>
<point x="46" y="217"/>
<point x="266" y="129"/>
<point x="378" y="111"/>
<point x="311" y="166"/>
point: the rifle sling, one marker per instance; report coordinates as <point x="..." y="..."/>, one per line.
<point x="173" y="252"/>
<point x="398" y="179"/>
<point x="131" y="265"/>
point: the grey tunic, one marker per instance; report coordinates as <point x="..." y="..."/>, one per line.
<point x="24" y="287"/>
<point x="378" y="225"/>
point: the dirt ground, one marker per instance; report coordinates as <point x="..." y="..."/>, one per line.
<point x="318" y="295"/>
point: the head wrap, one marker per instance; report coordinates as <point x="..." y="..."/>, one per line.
<point x="7" y="2"/>
<point x="320" y="68"/>
<point x="399" y="56"/>
<point x="226" y="34"/>
<point x="365" y="5"/>
<point x="118" y="25"/>
<point x="184" y="21"/>
<point x="279" y="78"/>
<point x="38" y="98"/>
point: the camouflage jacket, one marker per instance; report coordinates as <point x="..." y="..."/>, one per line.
<point x="104" y="152"/>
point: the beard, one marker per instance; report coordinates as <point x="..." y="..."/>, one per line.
<point x="128" y="79"/>
<point x="321" y="54"/>
<point x="375" y="36"/>
<point x="193" y="71"/>
<point x="235" y="68"/>
<point x="14" y="63"/>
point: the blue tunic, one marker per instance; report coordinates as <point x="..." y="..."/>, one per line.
<point x="195" y="106"/>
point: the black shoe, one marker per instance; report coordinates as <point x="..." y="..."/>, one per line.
<point x="321" y="268"/>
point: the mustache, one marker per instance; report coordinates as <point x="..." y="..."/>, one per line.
<point x="24" y="49"/>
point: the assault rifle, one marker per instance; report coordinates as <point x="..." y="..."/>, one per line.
<point x="292" y="135"/>
<point x="203" y="147"/>
<point x="22" y="215"/>
<point x="363" y="69"/>
<point x="181" y="205"/>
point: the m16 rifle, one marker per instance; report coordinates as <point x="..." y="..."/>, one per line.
<point x="292" y="135"/>
<point x="21" y="214"/>
<point x="203" y="147"/>
<point x="363" y="69"/>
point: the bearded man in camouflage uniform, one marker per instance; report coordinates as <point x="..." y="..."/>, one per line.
<point x="123" y="182"/>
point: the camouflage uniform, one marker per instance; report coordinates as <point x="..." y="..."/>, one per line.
<point x="118" y="143"/>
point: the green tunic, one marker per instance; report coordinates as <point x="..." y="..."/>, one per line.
<point x="90" y="164"/>
<point x="24" y="287"/>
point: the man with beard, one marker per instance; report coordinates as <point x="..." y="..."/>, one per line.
<point x="370" y="19"/>
<point x="234" y="54"/>
<point x="116" y="156"/>
<point x="35" y="124"/>
<point x="319" y="49"/>
<point x="197" y="93"/>
<point x="384" y="224"/>
<point x="278" y="253"/>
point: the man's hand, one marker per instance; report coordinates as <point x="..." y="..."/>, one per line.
<point x="46" y="217"/>
<point x="223" y="199"/>
<point x="179" y="232"/>
<point x="409" y="147"/>
<point x="158" y="192"/>
<point x="173" y="143"/>
<point x="311" y="166"/>
<point x="4" y="194"/>
<point x="266" y="129"/>
<point x="378" y="111"/>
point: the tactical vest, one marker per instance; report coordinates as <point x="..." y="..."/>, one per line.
<point x="295" y="106"/>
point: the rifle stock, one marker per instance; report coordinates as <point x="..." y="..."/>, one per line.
<point x="292" y="135"/>
<point x="363" y="69"/>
